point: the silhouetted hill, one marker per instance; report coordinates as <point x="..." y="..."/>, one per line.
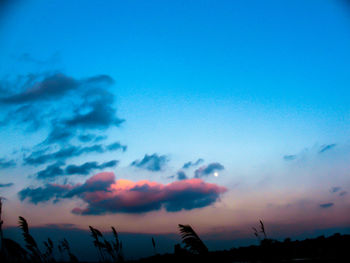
<point x="322" y="249"/>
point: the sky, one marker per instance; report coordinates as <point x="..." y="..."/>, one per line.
<point x="149" y="114"/>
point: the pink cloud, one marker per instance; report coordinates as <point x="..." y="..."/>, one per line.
<point x="104" y="194"/>
<point x="125" y="196"/>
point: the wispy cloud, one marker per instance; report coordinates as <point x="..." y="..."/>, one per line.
<point x="192" y="164"/>
<point x="51" y="87"/>
<point x="6" y="163"/>
<point x="67" y="108"/>
<point x="289" y="157"/>
<point x="100" y="112"/>
<point x="6" y="185"/>
<point x="326" y="205"/>
<point x="326" y="147"/>
<point x="87" y="167"/>
<point x="116" y="146"/>
<point x="41" y="157"/>
<point x="56" y="170"/>
<point x="315" y="150"/>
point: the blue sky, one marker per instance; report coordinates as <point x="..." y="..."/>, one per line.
<point x="242" y="84"/>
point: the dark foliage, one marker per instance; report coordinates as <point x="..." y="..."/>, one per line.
<point x="108" y="251"/>
<point x="192" y="240"/>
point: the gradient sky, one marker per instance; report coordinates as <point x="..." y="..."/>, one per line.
<point x="254" y="94"/>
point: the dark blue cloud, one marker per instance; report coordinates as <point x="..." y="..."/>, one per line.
<point x="152" y="162"/>
<point x="192" y="164"/>
<point x="29" y="115"/>
<point x="43" y="194"/>
<point x="51" y="171"/>
<point x="189" y="199"/>
<point x="98" y="182"/>
<point x="56" y="170"/>
<point x="42" y="157"/>
<point x="86" y="137"/>
<point x="327" y="147"/>
<point x="335" y="189"/>
<point x="87" y="167"/>
<point x="208" y="169"/>
<point x="100" y="79"/>
<point x="326" y="205"/>
<point x="51" y="87"/>
<point x="116" y="146"/>
<point x="59" y="135"/>
<point x="74" y="112"/>
<point x="97" y="113"/>
<point x="6" y="185"/>
<point x="36" y="158"/>
<point x="91" y="138"/>
<point x="6" y="163"/>
<point x="39" y="87"/>
<point x="181" y="175"/>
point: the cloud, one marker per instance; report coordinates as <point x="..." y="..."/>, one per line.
<point x="116" y="146"/>
<point x="59" y="134"/>
<point x="30" y="115"/>
<point x="152" y="162"/>
<point x="181" y="175"/>
<point x="289" y="157"/>
<point x="308" y="152"/>
<point x="342" y="193"/>
<point x="87" y="167"/>
<point x="43" y="194"/>
<point x="35" y="158"/>
<point x="55" y="170"/>
<point x="7" y="163"/>
<point x="103" y="194"/>
<point x="326" y="147"/>
<point x="49" y="98"/>
<point x="67" y="108"/>
<point x="192" y="164"/>
<point x="51" y="87"/>
<point x="96" y="184"/>
<point x="100" y="79"/>
<point x="51" y="171"/>
<point x="326" y="205"/>
<point x="335" y="189"/>
<point x="95" y="113"/>
<point x="6" y="185"/>
<point x="91" y="137"/>
<point x="206" y="170"/>
<point x="41" y="157"/>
